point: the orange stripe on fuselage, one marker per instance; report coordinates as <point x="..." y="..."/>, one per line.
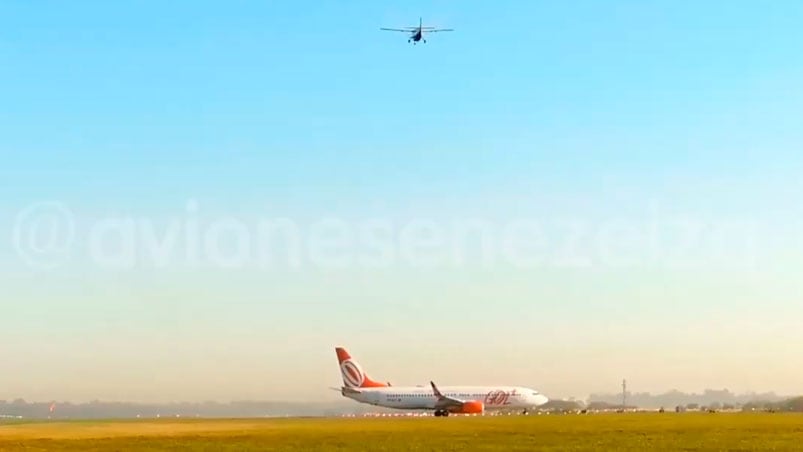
<point x="368" y="383"/>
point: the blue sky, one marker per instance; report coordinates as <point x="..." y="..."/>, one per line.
<point x="589" y="110"/>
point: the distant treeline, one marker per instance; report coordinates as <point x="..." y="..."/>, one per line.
<point x="122" y="410"/>
<point x="708" y="398"/>
<point x="794" y="404"/>
<point x="107" y="410"/>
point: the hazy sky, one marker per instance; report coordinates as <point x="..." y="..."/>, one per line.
<point x="199" y="200"/>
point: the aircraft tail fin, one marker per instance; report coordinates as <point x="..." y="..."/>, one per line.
<point x="352" y="373"/>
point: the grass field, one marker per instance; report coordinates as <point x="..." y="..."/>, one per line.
<point x="653" y="431"/>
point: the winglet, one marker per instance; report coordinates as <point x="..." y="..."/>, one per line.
<point x="435" y="390"/>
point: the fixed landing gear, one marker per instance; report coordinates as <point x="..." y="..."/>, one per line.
<point x="443" y="413"/>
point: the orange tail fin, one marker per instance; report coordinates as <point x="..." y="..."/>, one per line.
<point x="353" y="375"/>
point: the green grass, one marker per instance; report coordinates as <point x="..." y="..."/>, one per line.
<point x="635" y="432"/>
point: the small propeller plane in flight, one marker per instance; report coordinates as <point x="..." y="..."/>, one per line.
<point x="417" y="33"/>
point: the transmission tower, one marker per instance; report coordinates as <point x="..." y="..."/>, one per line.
<point x="624" y="394"/>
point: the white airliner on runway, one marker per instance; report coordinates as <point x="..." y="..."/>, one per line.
<point x="448" y="399"/>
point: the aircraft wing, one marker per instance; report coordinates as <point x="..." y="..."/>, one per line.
<point x="435" y="30"/>
<point x="444" y="401"/>
<point x="397" y="29"/>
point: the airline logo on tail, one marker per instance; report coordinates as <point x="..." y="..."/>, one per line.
<point x="353" y="375"/>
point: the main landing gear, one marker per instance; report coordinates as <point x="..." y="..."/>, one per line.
<point x="443" y="413"/>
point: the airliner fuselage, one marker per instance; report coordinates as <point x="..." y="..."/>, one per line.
<point x="422" y="398"/>
<point x="357" y="385"/>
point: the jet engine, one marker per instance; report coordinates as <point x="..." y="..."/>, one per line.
<point x="472" y="407"/>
